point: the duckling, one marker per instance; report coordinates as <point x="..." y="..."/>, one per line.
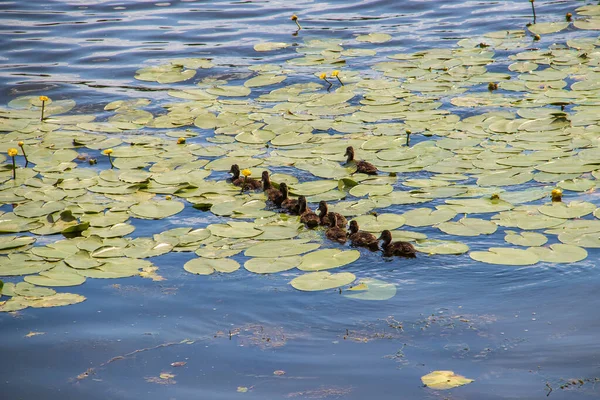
<point x="307" y="217"/>
<point x="362" y="166"/>
<point x="402" y="249"/>
<point x="362" y="239"/>
<point x="241" y="181"/>
<point x="335" y="233"/>
<point x="324" y="216"/>
<point x="270" y="191"/>
<point x="284" y="201"/>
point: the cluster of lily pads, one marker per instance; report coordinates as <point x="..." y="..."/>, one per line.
<point x="538" y="130"/>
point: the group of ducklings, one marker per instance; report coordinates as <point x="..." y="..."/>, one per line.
<point x="335" y="222"/>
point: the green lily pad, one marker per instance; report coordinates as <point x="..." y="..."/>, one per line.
<point x="313" y="187"/>
<point x="270" y="265"/>
<point x="427" y="216"/>
<point x="372" y="223"/>
<point x="323" y="280"/>
<point x="468" y="227"/>
<point x="525" y="238"/>
<point x="433" y="246"/>
<point x="27" y="289"/>
<point x="505" y="256"/>
<point x="56" y="277"/>
<point x="235" y="230"/>
<point x="574" y="209"/>
<point x="327" y="259"/>
<point x="280" y="248"/>
<point x="560" y="253"/>
<point x="206" y="266"/>
<point x="371" y="289"/>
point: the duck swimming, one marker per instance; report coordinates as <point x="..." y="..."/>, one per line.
<point x="307" y="217"/>
<point x="284" y="201"/>
<point x="402" y="249"/>
<point x="241" y="181"/>
<point x="362" y="239"/>
<point x="268" y="188"/>
<point x="362" y="166"/>
<point x="324" y="216"/>
<point x="335" y="233"/>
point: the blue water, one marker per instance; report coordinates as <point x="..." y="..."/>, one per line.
<point x="512" y="329"/>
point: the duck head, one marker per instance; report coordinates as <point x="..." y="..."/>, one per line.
<point x="386" y="236"/>
<point x="322" y="209"/>
<point x="349" y="153"/>
<point x="266" y="181"/>
<point x="283" y="189"/>
<point x="332" y="219"/>
<point x="235" y="171"/>
<point x="353" y="226"/>
<point x="301" y="204"/>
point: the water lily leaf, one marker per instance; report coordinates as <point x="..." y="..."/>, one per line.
<point x="280" y="248"/>
<point x="56" y="277"/>
<point x="477" y="206"/>
<point x="229" y="91"/>
<point x="34" y="209"/>
<point x="313" y="187"/>
<point x="468" y="227"/>
<point x="57" y="300"/>
<point x="371" y="190"/>
<point x="270" y="265"/>
<point x="206" y="266"/>
<point x="278" y="232"/>
<point x="505" y="256"/>
<point x="352" y="208"/>
<point x="525" y="238"/>
<point x="441" y="380"/>
<point x="116" y="268"/>
<point x="27" y="289"/>
<point x="374" y="38"/>
<point x="315" y="281"/>
<point x="14" y="304"/>
<point x="427" y="216"/>
<point x="270" y="46"/>
<point x="82" y="260"/>
<point x="577" y="184"/>
<point x="156" y="209"/>
<point x="327" y="259"/>
<point x="560" y="253"/>
<point x="372" y="223"/>
<point x="574" y="209"/>
<point x="526" y="220"/>
<point x="12" y="242"/>
<point x="236" y="230"/>
<point x="372" y="289"/>
<point x="117" y="230"/>
<point x="432" y="246"/>
<point x="264" y="80"/>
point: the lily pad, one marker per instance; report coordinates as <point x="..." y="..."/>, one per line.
<point x="427" y="216"/>
<point x="280" y="248"/>
<point x="206" y="266"/>
<point x="323" y="280"/>
<point x="468" y="227"/>
<point x="433" y="246"/>
<point x="505" y="256"/>
<point x="560" y="253"/>
<point x="327" y="259"/>
<point x="372" y="223"/>
<point x="371" y="289"/>
<point x="442" y="380"/>
<point x="270" y="265"/>
<point x="525" y="238"/>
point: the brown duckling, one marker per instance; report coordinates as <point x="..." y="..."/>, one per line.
<point x="307" y="217"/>
<point x="246" y="182"/>
<point x="291" y="205"/>
<point x="362" y="239"/>
<point x="324" y="216"/>
<point x="402" y="249"/>
<point x="270" y="191"/>
<point x="362" y="166"/>
<point x="335" y="233"/>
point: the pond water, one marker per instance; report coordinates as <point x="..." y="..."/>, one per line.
<point x="517" y="331"/>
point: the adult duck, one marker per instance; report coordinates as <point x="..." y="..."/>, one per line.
<point x="362" y="166"/>
<point x="334" y="232"/>
<point x="362" y="239"/>
<point x="324" y="216"/>
<point x="307" y="217"/>
<point x="244" y="182"/>
<point x="402" y="249"/>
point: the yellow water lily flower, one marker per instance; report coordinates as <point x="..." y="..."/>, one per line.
<point x="44" y="98"/>
<point x="107" y="152"/>
<point x="21" y="143"/>
<point x="335" y="73"/>
<point x="556" y="195"/>
<point x="294" y="18"/>
<point x="181" y="140"/>
<point x="323" y="76"/>
<point x="12" y="152"/>
<point x="246" y="172"/>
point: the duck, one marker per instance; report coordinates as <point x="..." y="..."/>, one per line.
<point x="268" y="188"/>
<point x="335" y="233"/>
<point x="362" y="166"/>
<point x="246" y="182"/>
<point x="307" y="217"/>
<point x="362" y="239"/>
<point x="402" y="249"/>
<point x="284" y="201"/>
<point x="324" y="216"/>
